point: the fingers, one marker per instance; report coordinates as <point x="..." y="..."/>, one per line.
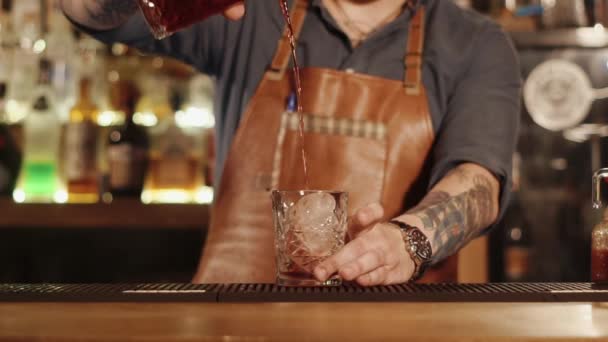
<point x="350" y="252"/>
<point x="235" y="12"/>
<point x="375" y="257"/>
<point x="368" y="262"/>
<point x="364" y="218"/>
<point x="378" y="276"/>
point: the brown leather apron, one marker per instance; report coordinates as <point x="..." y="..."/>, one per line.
<point x="365" y="135"/>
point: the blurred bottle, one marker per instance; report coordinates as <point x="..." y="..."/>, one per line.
<point x="175" y="173"/>
<point x="26" y="20"/>
<point x="127" y="150"/>
<point x="517" y="247"/>
<point x="7" y="46"/>
<point x="91" y="61"/>
<point x="60" y="50"/>
<point x="197" y="117"/>
<point x="39" y="179"/>
<point x="154" y="104"/>
<point x="25" y="30"/>
<point x="10" y="159"/>
<point x="599" y="251"/>
<point x="599" y="234"/>
<point x="2" y="100"/>
<point x="564" y="13"/>
<point x="599" y="12"/>
<point x="6" y="59"/>
<point x="80" y="149"/>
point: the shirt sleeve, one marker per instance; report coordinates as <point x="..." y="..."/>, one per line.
<point x="200" y="45"/>
<point x="483" y="113"/>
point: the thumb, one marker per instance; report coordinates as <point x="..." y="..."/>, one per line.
<point x="365" y="217"/>
<point x="236" y="11"/>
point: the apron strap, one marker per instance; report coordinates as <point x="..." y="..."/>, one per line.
<point x="413" y="55"/>
<point x="283" y="53"/>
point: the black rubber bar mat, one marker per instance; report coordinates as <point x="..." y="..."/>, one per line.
<point x="503" y="292"/>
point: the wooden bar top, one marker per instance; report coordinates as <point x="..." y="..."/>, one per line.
<point x="303" y="321"/>
<point x="124" y="214"/>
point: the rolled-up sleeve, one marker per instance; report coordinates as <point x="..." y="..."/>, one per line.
<point x="482" y="118"/>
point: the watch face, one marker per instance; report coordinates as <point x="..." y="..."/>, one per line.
<point x="423" y="247"/>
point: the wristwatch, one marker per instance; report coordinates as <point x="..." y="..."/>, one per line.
<point x="418" y="247"/>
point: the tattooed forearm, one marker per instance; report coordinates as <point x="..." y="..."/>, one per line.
<point x="453" y="220"/>
<point x="100" y="14"/>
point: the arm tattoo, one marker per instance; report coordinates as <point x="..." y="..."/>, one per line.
<point x="110" y="12"/>
<point x="455" y="220"/>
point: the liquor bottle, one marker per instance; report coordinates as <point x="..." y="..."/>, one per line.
<point x="39" y="179"/>
<point x="80" y="149"/>
<point x="7" y="44"/>
<point x="2" y="99"/>
<point x="10" y="159"/>
<point x="25" y="29"/>
<point x="517" y="244"/>
<point x="127" y="149"/>
<point x="60" y="51"/>
<point x="599" y="234"/>
<point x="599" y="251"/>
<point x="6" y="59"/>
<point x="154" y="104"/>
<point x="175" y="173"/>
<point x="5" y="177"/>
<point x="198" y="119"/>
<point x="91" y="61"/>
<point x="26" y="16"/>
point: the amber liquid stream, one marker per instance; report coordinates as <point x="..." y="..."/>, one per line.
<point x="298" y="86"/>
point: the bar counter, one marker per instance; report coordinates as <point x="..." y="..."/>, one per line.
<point x="218" y="316"/>
<point x="302" y="321"/>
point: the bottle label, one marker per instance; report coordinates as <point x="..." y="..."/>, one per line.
<point x="81" y="151"/>
<point x="174" y="173"/>
<point x="176" y="169"/>
<point x="127" y="166"/>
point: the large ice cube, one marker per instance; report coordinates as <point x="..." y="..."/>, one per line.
<point x="313" y="209"/>
<point x="313" y="229"/>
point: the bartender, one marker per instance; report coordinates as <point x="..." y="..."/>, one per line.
<point x="413" y="109"/>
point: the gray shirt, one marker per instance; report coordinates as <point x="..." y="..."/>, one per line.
<point x="470" y="71"/>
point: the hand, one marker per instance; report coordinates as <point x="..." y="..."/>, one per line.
<point x="376" y="254"/>
<point x="236" y="11"/>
